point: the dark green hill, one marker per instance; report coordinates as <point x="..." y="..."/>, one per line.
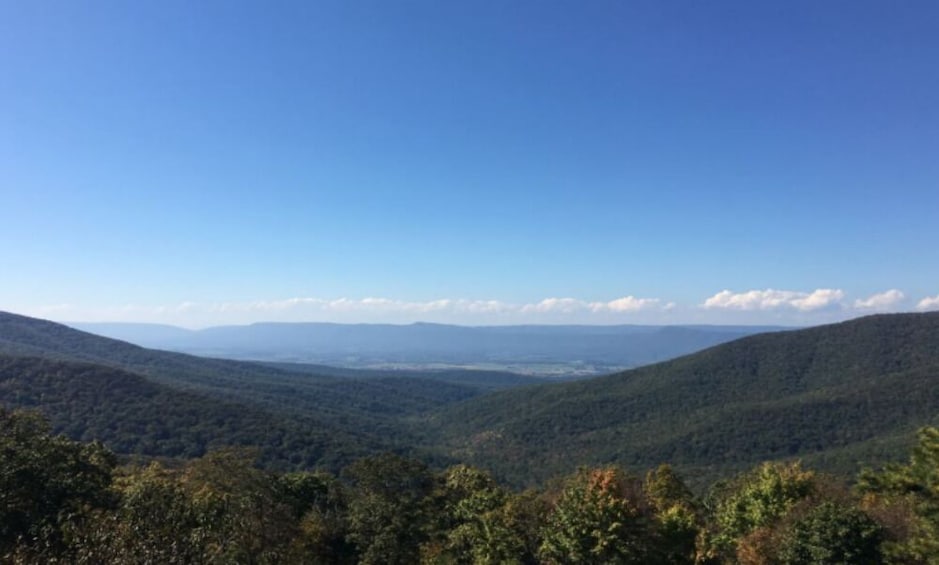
<point x="833" y="394"/>
<point x="133" y="415"/>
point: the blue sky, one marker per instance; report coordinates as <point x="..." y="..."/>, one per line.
<point x="471" y="162"/>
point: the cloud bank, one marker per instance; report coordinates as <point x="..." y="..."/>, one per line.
<point x="771" y="299"/>
<point x="369" y="309"/>
<point x="756" y="306"/>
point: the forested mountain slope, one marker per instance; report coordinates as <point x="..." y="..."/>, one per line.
<point x="832" y="393"/>
<point x="133" y="415"/>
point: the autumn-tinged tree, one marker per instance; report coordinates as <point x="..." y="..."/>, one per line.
<point x="598" y="519"/>
<point x="749" y="506"/>
<point x="675" y="516"/>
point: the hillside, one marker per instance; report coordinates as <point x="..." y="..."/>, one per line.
<point x="133" y="415"/>
<point x="832" y="394"/>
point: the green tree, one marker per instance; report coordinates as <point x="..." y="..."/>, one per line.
<point x="47" y="482"/>
<point x="154" y="522"/>
<point x="242" y="512"/>
<point x="479" y="527"/>
<point x="389" y="508"/>
<point x="831" y="534"/>
<point x="319" y="503"/>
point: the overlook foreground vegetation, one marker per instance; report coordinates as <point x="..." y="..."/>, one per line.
<point x="64" y="501"/>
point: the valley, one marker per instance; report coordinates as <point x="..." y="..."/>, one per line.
<point x="835" y="395"/>
<point x="286" y="461"/>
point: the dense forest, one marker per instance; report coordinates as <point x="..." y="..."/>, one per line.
<point x="66" y="501"/>
<point x="833" y="395"/>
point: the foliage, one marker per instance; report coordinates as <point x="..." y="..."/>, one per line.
<point x="831" y="534"/>
<point x="388" y="515"/>
<point x="479" y="520"/>
<point x="913" y="487"/>
<point x="65" y="501"/>
<point x="44" y="481"/>
<point x="760" y="497"/>
<point x="676" y="515"/>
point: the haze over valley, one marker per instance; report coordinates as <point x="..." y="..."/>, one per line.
<point x="541" y="350"/>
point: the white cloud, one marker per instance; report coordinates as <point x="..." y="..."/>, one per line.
<point x="627" y="304"/>
<point x="368" y="309"/>
<point x="771" y="299"/>
<point x="566" y="305"/>
<point x="928" y="303"/>
<point x="881" y="301"/>
<point x="573" y="305"/>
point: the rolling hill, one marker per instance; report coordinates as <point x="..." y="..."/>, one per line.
<point x="832" y="394"/>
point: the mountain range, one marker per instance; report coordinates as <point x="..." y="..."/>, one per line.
<point x="834" y="395"/>
<point x="599" y="348"/>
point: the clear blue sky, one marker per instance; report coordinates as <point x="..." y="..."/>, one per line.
<point x="226" y="162"/>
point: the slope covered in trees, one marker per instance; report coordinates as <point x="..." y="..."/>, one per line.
<point x="832" y="394"/>
<point x="135" y="416"/>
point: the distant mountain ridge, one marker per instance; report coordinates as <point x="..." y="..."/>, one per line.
<point x="619" y="346"/>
